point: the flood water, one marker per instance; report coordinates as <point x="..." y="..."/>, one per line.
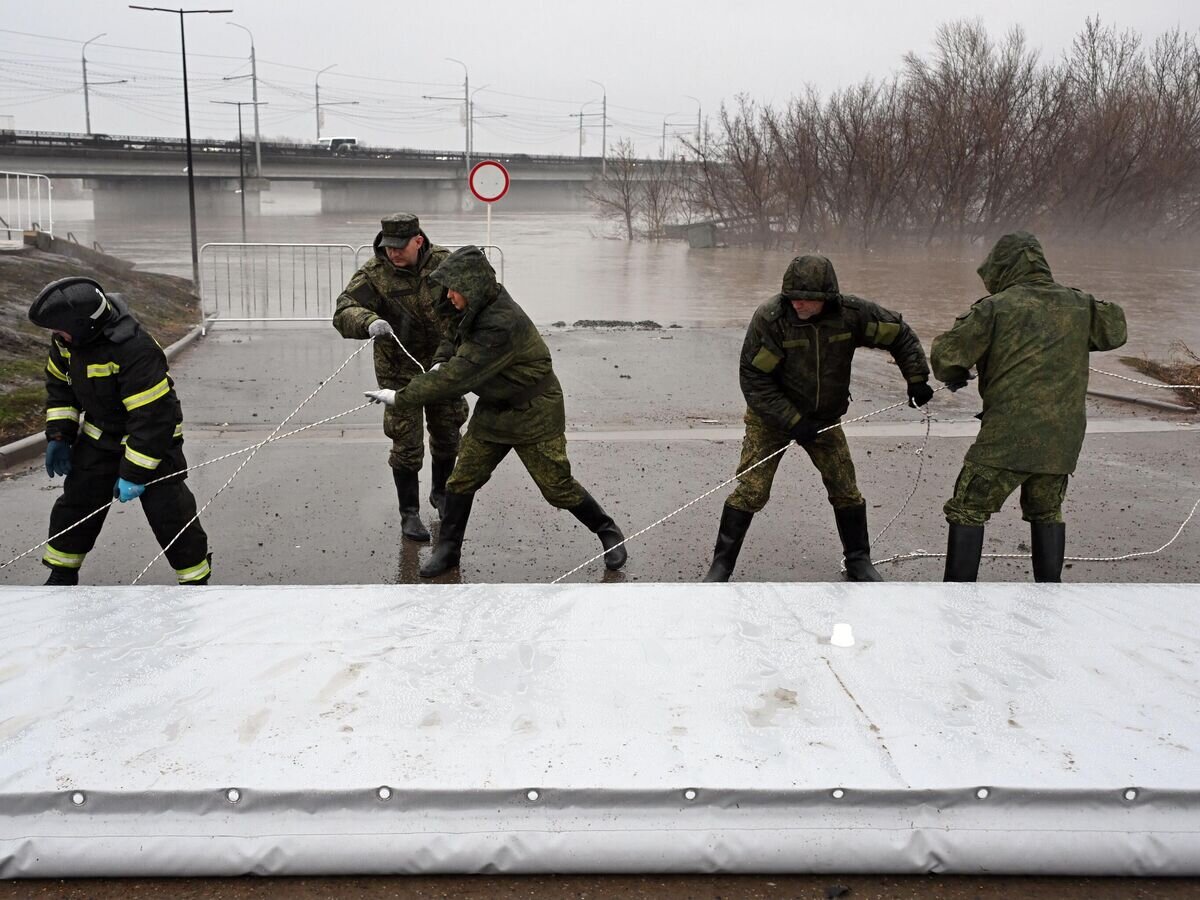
<point x="569" y="266"/>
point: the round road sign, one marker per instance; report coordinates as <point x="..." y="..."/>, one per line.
<point x="488" y="181"/>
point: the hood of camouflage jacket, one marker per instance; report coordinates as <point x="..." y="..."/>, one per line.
<point x="810" y="278"/>
<point x="468" y="271"/>
<point x="1017" y="258"/>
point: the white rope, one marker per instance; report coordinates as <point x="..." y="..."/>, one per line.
<point x="925" y="554"/>
<point x="209" y="462"/>
<point x="1154" y="384"/>
<point x="409" y="355"/>
<point x="916" y="480"/>
<point x="727" y="481"/>
<point x="247" y="460"/>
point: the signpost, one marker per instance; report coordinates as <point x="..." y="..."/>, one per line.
<point x="488" y="181"/>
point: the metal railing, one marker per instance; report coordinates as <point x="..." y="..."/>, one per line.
<point x="491" y="251"/>
<point x="27" y="203"/>
<point x="274" y="282"/>
<point x="263" y="282"/>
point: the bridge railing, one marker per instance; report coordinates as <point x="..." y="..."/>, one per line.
<point x="26" y="203"/>
<point x="267" y="282"/>
<point x="494" y="253"/>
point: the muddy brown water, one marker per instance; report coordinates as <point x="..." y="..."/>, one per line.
<point x="568" y="266"/>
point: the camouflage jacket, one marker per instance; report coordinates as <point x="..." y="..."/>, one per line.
<point x="498" y="355"/>
<point x="405" y="299"/>
<point x="1029" y="340"/>
<point x="793" y="369"/>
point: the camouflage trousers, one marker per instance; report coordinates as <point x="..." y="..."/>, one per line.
<point x="546" y="462"/>
<point x="829" y="452"/>
<point x="981" y="490"/>
<point x="403" y="425"/>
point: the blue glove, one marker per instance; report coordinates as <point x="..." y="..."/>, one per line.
<point x="58" y="458"/>
<point x="127" y="490"/>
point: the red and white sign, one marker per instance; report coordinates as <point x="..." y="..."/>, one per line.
<point x="488" y="181"/>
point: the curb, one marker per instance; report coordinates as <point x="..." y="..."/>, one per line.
<point x="1155" y="404"/>
<point x="27" y="448"/>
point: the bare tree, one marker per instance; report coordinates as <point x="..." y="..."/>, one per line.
<point x="660" y="195"/>
<point x="618" y="195"/>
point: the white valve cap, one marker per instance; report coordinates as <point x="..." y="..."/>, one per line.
<point x="843" y="635"/>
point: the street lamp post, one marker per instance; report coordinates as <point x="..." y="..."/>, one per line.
<point x="317" y="89"/>
<point x="241" y="164"/>
<point x="699" y="124"/>
<point x="603" y="127"/>
<point x="187" y="125"/>
<point x="87" y="109"/>
<point x="254" y="97"/>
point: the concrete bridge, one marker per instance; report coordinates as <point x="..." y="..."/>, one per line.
<point x="145" y="176"/>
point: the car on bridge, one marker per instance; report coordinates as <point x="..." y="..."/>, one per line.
<point x="339" y="146"/>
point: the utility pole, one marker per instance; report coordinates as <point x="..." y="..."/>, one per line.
<point x="662" y="152"/>
<point x="87" y="110"/>
<point x="187" y="125"/>
<point x="475" y="117"/>
<point x="466" y="113"/>
<point x="254" y="97"/>
<point x="317" y="90"/>
<point x="241" y="164"/>
<point x="581" y="115"/>
<point x="603" y="128"/>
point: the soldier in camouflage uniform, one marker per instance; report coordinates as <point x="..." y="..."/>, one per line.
<point x="499" y="356"/>
<point x="1029" y="340"/>
<point x="388" y="298"/>
<point x="795" y="374"/>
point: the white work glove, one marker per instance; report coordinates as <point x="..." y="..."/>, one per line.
<point x="388" y="398"/>
<point x="379" y="328"/>
<point x="434" y="368"/>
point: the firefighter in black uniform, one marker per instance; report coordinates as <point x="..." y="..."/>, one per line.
<point x="113" y="425"/>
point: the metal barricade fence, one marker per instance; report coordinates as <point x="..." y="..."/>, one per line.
<point x="27" y="204"/>
<point x="269" y="282"/>
<point x="492" y="251"/>
<point x="263" y="282"/>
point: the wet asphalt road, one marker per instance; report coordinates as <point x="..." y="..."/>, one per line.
<point x="320" y="509"/>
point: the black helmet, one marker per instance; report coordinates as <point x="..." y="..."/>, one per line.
<point x="75" y="305"/>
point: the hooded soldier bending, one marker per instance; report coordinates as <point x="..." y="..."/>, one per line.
<point x="390" y="297"/>
<point x="499" y="355"/>
<point x="113" y="425"/>
<point x="795" y="374"/>
<point x="1030" y="340"/>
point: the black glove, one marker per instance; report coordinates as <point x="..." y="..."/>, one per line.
<point x="953" y="386"/>
<point x="919" y="393"/>
<point x="803" y="432"/>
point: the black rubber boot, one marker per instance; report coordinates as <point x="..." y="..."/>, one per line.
<point x="732" y="531"/>
<point x="455" y="512"/>
<point x="964" y="546"/>
<point x="61" y="576"/>
<point x="597" y="521"/>
<point x="1049" y="543"/>
<point x="856" y="543"/>
<point x="408" y="492"/>
<point x="441" y="471"/>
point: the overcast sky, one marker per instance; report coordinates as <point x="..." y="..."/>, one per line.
<point x="534" y="61"/>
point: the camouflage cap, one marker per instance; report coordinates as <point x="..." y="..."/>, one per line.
<point x="810" y="278"/>
<point x="398" y="228"/>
